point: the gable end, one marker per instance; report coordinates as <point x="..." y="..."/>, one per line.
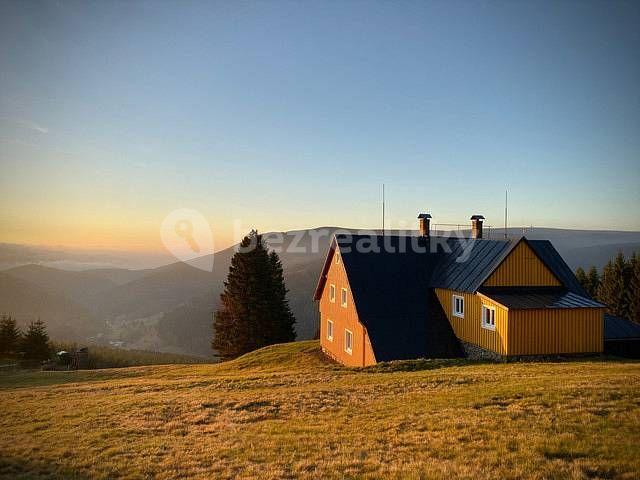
<point x="522" y="267"/>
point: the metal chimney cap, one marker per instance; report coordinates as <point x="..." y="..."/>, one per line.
<point x="477" y="217"/>
<point x="424" y="215"/>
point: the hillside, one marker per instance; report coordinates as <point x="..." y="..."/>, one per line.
<point x="285" y="412"/>
<point x="27" y="302"/>
<point x="77" y="286"/>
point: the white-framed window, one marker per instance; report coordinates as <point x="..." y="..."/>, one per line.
<point x="343" y="298"/>
<point x="337" y="255"/>
<point x="488" y="317"/>
<point x="458" y="306"/>
<point x="332" y="293"/>
<point x="348" y="341"/>
<point x="330" y="330"/>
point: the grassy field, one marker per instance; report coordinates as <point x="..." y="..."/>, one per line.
<point x="285" y="412"/>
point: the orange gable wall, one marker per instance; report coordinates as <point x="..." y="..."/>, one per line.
<point x="522" y="268"/>
<point x="343" y="318"/>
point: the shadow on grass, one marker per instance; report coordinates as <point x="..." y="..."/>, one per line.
<point x="420" y="364"/>
<point x="20" y="468"/>
<point x="432" y="364"/>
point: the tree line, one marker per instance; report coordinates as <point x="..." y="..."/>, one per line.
<point x="30" y="345"/>
<point x="618" y="287"/>
<point x="254" y="311"/>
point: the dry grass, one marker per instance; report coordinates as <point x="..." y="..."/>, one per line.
<point x="284" y="412"/>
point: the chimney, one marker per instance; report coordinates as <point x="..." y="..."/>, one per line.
<point x="424" y="219"/>
<point x="476" y="226"/>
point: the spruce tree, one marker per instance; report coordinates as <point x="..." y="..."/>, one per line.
<point x="9" y="336"/>
<point x="35" y="342"/>
<point x="283" y="320"/>
<point x="581" y="276"/>
<point x="593" y="280"/>
<point x="633" y="292"/>
<point x="253" y="309"/>
<point x="612" y="290"/>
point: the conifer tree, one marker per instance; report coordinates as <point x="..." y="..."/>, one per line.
<point x="9" y="336"/>
<point x="581" y="276"/>
<point x="633" y="292"/>
<point x="253" y="309"/>
<point x="593" y="280"/>
<point x="283" y="320"/>
<point x="612" y="291"/>
<point x="35" y="342"/>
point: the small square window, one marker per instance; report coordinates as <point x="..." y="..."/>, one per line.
<point x="332" y="293"/>
<point x="488" y="317"/>
<point x="458" y="306"/>
<point x="343" y="298"/>
<point x="330" y="330"/>
<point x="348" y="341"/>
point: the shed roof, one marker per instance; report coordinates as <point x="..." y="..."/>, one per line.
<point x="538" y="298"/>
<point x="616" y="328"/>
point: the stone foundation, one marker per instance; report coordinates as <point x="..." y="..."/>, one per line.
<point x="475" y="352"/>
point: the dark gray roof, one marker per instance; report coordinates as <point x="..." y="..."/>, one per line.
<point x="616" y="328"/>
<point x="470" y="263"/>
<point x="424" y="215"/>
<point x="519" y="298"/>
<point x="391" y="291"/>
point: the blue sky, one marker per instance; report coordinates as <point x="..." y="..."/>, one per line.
<point x="287" y="115"/>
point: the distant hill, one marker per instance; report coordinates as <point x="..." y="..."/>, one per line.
<point x="118" y="276"/>
<point x="170" y="308"/>
<point x="77" y="286"/>
<point x="27" y="302"/>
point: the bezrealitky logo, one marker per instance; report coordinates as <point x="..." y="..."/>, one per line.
<point x="187" y="235"/>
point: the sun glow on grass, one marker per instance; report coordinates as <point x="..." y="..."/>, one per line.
<point x="286" y="412"/>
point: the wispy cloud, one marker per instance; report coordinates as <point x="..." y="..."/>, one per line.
<point x="33" y="126"/>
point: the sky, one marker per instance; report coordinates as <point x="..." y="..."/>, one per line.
<point x="290" y="115"/>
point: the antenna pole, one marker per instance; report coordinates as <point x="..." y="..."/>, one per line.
<point x="383" y="209"/>
<point x="505" y="213"/>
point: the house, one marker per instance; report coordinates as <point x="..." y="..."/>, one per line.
<point x="392" y="297"/>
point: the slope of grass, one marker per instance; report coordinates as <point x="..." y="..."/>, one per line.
<point x="102" y="356"/>
<point x="286" y="412"/>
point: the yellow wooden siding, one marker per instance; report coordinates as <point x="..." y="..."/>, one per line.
<point x="526" y="332"/>
<point x="555" y="331"/>
<point x="362" y="353"/>
<point x="522" y="268"/>
<point x="469" y="329"/>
